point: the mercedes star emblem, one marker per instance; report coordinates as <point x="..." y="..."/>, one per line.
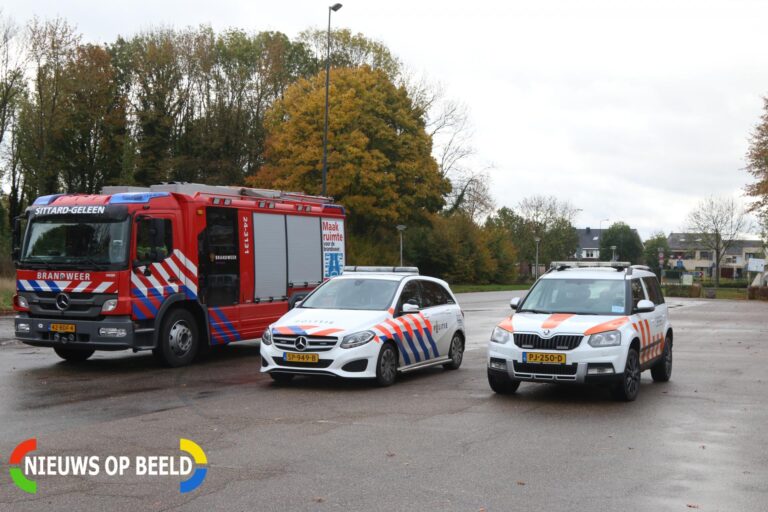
<point x="300" y="343"/>
<point x="62" y="301"/>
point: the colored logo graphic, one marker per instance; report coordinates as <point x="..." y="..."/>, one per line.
<point x="198" y="455"/>
<point x="17" y="474"/>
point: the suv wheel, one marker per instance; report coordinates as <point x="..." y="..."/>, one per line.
<point x="629" y="385"/>
<point x="662" y="370"/>
<point x="502" y="384"/>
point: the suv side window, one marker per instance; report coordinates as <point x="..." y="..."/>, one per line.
<point x="654" y="290"/>
<point x="410" y="292"/>
<point x="433" y="294"/>
<point x="637" y="292"/>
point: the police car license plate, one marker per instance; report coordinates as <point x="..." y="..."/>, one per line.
<point x="62" y="327"/>
<point x="301" y="358"/>
<point x="543" y="357"/>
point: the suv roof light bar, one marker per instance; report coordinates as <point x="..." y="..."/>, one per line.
<point x="403" y="270"/>
<point x="562" y="265"/>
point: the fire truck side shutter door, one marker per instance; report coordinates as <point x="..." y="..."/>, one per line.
<point x="305" y="263"/>
<point x="269" y="256"/>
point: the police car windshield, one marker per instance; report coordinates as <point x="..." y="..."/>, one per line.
<point x="87" y="243"/>
<point x="577" y="296"/>
<point x="357" y="294"/>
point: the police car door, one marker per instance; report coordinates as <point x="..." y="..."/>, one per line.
<point x="437" y="314"/>
<point x="641" y="321"/>
<point x="418" y="340"/>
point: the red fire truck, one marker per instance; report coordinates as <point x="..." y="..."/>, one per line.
<point x="171" y="268"/>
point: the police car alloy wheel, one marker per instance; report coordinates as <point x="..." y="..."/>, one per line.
<point x="386" y="366"/>
<point x="662" y="371"/>
<point x="455" y="352"/>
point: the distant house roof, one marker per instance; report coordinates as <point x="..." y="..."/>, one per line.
<point x="589" y="238"/>
<point x="695" y="241"/>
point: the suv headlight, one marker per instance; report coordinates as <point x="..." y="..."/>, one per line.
<point x="266" y="337"/>
<point x="605" y="339"/>
<point x="501" y="336"/>
<point x="357" y="339"/>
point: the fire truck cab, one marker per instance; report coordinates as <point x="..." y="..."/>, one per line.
<point x="170" y="268"/>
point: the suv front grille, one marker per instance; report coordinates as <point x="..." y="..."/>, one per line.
<point x="314" y="343"/>
<point x="545" y="369"/>
<point x="556" y="342"/>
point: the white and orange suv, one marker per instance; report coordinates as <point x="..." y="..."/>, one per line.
<point x="604" y="323"/>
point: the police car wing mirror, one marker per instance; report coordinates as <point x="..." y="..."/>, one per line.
<point x="514" y="302"/>
<point x="645" y="306"/>
<point x="410" y="308"/>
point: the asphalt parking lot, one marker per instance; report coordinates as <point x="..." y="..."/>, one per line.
<point x="437" y="440"/>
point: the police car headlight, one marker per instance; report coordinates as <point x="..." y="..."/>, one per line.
<point x="266" y="337"/>
<point x="357" y="339"/>
<point x="605" y="339"/>
<point x="501" y="336"/>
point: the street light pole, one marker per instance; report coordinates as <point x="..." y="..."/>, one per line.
<point x="613" y="257"/>
<point x="536" y="273"/>
<point x="332" y="8"/>
<point x="400" y="229"/>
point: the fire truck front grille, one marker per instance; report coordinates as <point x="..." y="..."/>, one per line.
<point x="557" y="342"/>
<point x="314" y="343"/>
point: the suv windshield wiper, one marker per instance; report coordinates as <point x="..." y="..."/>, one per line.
<point x="533" y="311"/>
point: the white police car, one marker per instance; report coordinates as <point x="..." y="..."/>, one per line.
<point x="370" y="322"/>
<point x="605" y="323"/>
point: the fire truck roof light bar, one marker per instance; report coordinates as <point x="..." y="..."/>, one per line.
<point x="46" y="200"/>
<point x="403" y="270"/>
<point x="136" y="197"/>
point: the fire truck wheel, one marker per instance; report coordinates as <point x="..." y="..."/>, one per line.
<point x="456" y="353"/>
<point x="179" y="339"/>
<point x="73" y="355"/>
<point x="386" y="365"/>
<point x="627" y="388"/>
<point x="662" y="371"/>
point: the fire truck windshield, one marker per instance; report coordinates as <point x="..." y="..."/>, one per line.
<point x="82" y="242"/>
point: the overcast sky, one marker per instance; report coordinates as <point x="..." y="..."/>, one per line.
<point x="633" y="111"/>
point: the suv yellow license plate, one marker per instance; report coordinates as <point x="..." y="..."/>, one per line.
<point x="543" y="357"/>
<point x="62" y="327"/>
<point x="302" y="358"/>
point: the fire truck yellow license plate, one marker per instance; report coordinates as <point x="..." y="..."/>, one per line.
<point x="62" y="327"/>
<point x="542" y="357"/>
<point x="302" y="358"/>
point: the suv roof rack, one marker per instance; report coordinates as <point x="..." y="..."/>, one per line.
<point x="399" y="270"/>
<point x="563" y="265"/>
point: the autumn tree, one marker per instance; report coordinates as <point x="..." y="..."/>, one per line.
<point x="718" y="222"/>
<point x="628" y="245"/>
<point x="757" y="162"/>
<point x="379" y="155"/>
<point x="349" y="50"/>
